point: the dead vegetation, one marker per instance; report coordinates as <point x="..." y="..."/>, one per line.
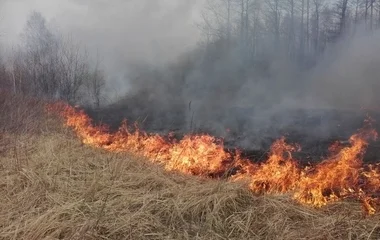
<point x="53" y="187"/>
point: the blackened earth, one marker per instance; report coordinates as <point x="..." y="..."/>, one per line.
<point x="246" y="129"/>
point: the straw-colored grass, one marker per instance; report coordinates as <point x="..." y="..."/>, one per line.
<point x="53" y="187"/>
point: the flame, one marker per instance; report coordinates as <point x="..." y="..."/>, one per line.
<point x="340" y="176"/>
<point x="198" y="155"/>
<point x="279" y="174"/>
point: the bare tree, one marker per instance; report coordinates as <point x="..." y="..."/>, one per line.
<point x="371" y="19"/>
<point x="50" y="65"/>
<point x="96" y="83"/>
<point x="274" y="17"/>
<point x="217" y="20"/>
<point x="307" y="25"/>
<point x="73" y="70"/>
<point x="342" y="11"/>
<point x="273" y="25"/>
<point x="229" y="7"/>
<point x="302" y="32"/>
<point x="291" y="29"/>
<point x="366" y="11"/>
<point x="378" y="14"/>
<point x="317" y="8"/>
<point x="256" y="26"/>
<point x="41" y="54"/>
<point x="15" y="71"/>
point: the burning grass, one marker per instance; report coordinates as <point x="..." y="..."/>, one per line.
<point x="55" y="187"/>
<point x="340" y="176"/>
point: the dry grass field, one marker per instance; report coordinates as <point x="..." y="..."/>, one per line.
<point x="54" y="187"/>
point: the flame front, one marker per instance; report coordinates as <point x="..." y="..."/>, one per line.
<point x="199" y="155"/>
<point x="338" y="177"/>
<point x="279" y="174"/>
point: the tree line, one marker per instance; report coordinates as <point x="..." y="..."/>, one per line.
<point x="51" y="66"/>
<point x="299" y="29"/>
<point x="241" y="39"/>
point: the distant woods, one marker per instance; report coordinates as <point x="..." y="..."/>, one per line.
<point x="266" y="54"/>
<point x="249" y="48"/>
<point x="51" y="66"/>
<point x="298" y="29"/>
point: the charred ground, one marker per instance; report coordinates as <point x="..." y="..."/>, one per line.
<point x="314" y="129"/>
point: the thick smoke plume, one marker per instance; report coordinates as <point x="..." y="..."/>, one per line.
<point x="167" y="81"/>
<point x="210" y="90"/>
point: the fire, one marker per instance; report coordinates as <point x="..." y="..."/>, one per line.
<point x="340" y="176"/>
<point x="279" y="174"/>
<point x="198" y="155"/>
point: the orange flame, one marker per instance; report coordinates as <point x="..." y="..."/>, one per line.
<point x="198" y="155"/>
<point x="337" y="177"/>
<point x="340" y="176"/>
<point x="279" y="174"/>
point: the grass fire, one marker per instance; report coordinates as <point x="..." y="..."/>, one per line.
<point x="197" y="119"/>
<point x="96" y="183"/>
<point x="340" y="176"/>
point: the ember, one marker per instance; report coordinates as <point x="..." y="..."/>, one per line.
<point x="341" y="176"/>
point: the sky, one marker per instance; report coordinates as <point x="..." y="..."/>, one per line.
<point x="121" y="31"/>
<point x="162" y="17"/>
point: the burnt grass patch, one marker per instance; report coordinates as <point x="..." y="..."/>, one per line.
<point x="315" y="130"/>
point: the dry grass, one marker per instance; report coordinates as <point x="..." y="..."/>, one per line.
<point x="20" y="114"/>
<point x="53" y="187"/>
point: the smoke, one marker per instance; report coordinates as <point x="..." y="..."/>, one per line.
<point x="215" y="91"/>
<point x="122" y="33"/>
<point x="150" y="54"/>
<point x="348" y="76"/>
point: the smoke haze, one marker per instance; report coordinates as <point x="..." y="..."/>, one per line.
<point x="221" y="95"/>
<point x="149" y="51"/>
<point x="122" y="32"/>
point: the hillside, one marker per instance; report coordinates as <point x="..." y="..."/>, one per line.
<point x="54" y="187"/>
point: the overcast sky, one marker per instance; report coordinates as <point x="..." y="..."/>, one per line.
<point x="137" y="23"/>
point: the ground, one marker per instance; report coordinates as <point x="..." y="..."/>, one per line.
<point x="314" y="129"/>
<point x="54" y="187"/>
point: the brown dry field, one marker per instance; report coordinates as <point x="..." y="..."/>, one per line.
<point x="54" y="187"/>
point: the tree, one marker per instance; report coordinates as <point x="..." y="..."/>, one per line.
<point x="371" y="20"/>
<point x="274" y="17"/>
<point x="217" y="20"/>
<point x="317" y="8"/>
<point x="52" y="66"/>
<point x="294" y="28"/>
<point x="41" y="56"/>
<point x="342" y="11"/>
<point x="291" y="37"/>
<point x="307" y="26"/>
<point x="73" y="70"/>
<point x="96" y="83"/>
<point x="302" y="32"/>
